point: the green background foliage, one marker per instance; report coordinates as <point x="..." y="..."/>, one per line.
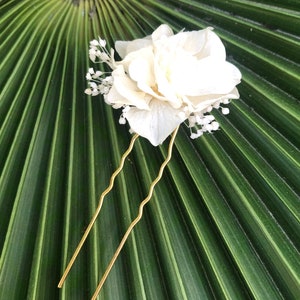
<point x="224" y="220"/>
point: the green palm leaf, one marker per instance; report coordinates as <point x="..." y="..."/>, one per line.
<point x="224" y="220"/>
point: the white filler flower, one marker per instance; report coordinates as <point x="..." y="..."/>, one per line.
<point x="165" y="79"/>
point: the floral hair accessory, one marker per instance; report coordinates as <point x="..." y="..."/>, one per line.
<point x="164" y="80"/>
<point x="161" y="81"/>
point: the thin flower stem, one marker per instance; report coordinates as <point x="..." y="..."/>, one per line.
<point x="138" y="218"/>
<point x="87" y="231"/>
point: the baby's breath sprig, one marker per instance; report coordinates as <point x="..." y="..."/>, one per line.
<point x="99" y="82"/>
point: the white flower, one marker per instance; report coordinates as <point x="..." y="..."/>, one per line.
<point x="166" y="79"/>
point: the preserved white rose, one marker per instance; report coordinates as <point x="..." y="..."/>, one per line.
<point x="165" y="79"/>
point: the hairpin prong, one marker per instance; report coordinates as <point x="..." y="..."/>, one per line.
<point x="138" y="218"/>
<point x="88" y="229"/>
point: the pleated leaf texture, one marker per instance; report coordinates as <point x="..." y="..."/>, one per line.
<point x="223" y="222"/>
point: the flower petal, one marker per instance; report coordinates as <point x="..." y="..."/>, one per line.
<point x="155" y="124"/>
<point x="200" y="43"/>
<point x="164" y="86"/>
<point x="162" y="31"/>
<point x="213" y="46"/>
<point x="204" y="77"/>
<point x="141" y="67"/>
<point x="201" y="103"/>
<point x="125" y="47"/>
<point x="125" y="91"/>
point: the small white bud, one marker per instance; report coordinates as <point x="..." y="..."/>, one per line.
<point x="95" y="92"/>
<point x="93" y="85"/>
<point x="122" y="120"/>
<point x="210" y="118"/>
<point x="88" y="76"/>
<point x="225" y="110"/>
<point x="102" y="42"/>
<point x="215" y="125"/>
<point x="208" y="127"/>
<point x="97" y="74"/>
<point x="126" y="109"/>
<point x="94" y="43"/>
<point x="194" y="136"/>
<point x="92" y="55"/>
<point x="199" y="119"/>
<point x="199" y="132"/>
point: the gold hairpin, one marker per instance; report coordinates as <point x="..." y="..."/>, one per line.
<point x="132" y="224"/>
